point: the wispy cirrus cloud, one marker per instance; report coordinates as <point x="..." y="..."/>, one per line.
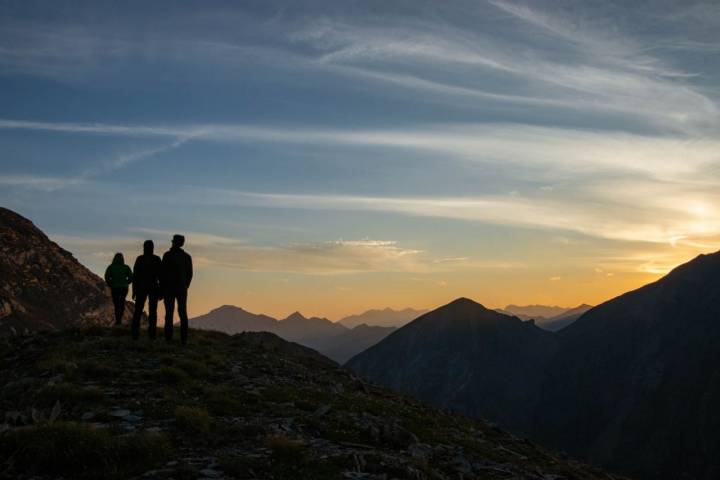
<point x="591" y="67"/>
<point x="676" y="219"/>
<point x="565" y="150"/>
<point x="333" y="257"/>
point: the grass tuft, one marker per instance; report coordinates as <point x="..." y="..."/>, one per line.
<point x="192" y="420"/>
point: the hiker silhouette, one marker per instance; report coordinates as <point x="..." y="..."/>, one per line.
<point x="146" y="286"/>
<point x="118" y="277"/>
<point x="175" y="278"/>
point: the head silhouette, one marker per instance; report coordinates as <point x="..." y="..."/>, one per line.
<point x="148" y="247"/>
<point x="178" y="241"/>
<point x="118" y="258"/>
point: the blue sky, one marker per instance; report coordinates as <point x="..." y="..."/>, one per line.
<point x="335" y="156"/>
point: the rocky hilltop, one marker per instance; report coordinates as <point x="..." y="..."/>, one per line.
<point x="93" y="404"/>
<point x="43" y="286"/>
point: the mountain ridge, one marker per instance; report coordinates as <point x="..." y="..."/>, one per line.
<point x="330" y="338"/>
<point x="462" y="355"/>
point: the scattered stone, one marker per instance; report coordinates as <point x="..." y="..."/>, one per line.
<point x="462" y="465"/>
<point x="210" y="473"/>
<point x="307" y="413"/>
<point x="420" y="450"/>
<point x="322" y="411"/>
<point x="132" y="418"/>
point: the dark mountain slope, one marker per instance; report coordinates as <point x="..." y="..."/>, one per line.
<point x="43" y="286"/>
<point x="90" y="404"/>
<point x="348" y="344"/>
<point x="466" y="357"/>
<point x="636" y="385"/>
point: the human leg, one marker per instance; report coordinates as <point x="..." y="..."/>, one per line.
<point x="140" y="298"/>
<point x="118" y="296"/>
<point x="152" y="315"/>
<point x="169" y="312"/>
<point x="182" y="313"/>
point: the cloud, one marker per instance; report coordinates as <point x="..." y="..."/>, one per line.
<point x="591" y="71"/>
<point x="566" y="151"/>
<point x="596" y="64"/>
<point x="37" y="182"/>
<point x="654" y="222"/>
<point x="331" y="257"/>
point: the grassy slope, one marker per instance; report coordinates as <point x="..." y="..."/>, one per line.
<point x="92" y="403"/>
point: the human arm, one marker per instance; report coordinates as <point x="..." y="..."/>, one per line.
<point x="135" y="269"/>
<point x="108" y="276"/>
<point x="189" y="270"/>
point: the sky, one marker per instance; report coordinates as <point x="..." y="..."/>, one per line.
<point x="335" y="156"/>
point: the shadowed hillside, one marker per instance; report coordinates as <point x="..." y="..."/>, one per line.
<point x="93" y="404"/>
<point x="43" y="286"/>
<point x="467" y="357"/>
<point x="632" y="385"/>
<point x="637" y="382"/>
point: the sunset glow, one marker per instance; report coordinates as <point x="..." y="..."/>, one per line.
<point x="334" y="160"/>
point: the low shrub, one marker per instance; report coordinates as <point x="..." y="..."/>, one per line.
<point x="285" y="449"/>
<point x="192" y="420"/>
<point x="222" y="401"/>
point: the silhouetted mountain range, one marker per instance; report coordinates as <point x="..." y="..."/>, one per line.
<point x="42" y="286"/>
<point x="526" y="312"/>
<point x="382" y="318"/>
<point x="329" y="338"/>
<point x="546" y="317"/>
<point x="633" y="384"/>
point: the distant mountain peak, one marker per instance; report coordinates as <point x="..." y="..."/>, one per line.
<point x="224" y="308"/>
<point x="467" y="305"/>
<point x="296" y="316"/>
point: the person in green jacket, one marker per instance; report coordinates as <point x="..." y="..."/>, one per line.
<point x="118" y="277"/>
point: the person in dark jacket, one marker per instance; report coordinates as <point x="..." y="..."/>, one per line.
<point x="175" y="280"/>
<point x="146" y="286"/>
<point x="118" y="277"/>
